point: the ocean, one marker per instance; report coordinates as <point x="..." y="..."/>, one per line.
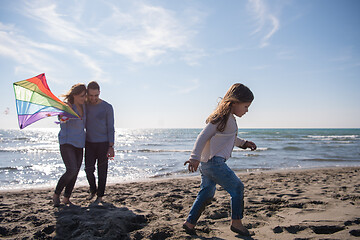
<point x="30" y="158"/>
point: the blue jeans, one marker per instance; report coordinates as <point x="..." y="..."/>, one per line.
<point x="213" y="172"/>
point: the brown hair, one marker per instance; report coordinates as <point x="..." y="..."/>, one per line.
<point x="93" y="85"/>
<point x="75" y="90"/>
<point x="237" y="93"/>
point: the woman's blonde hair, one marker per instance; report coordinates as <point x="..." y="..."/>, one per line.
<point x="75" y="90"/>
<point x="237" y="93"/>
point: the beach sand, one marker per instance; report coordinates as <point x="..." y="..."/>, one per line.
<point x="291" y="204"/>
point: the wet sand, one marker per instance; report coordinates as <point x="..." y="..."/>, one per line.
<point x="290" y="204"/>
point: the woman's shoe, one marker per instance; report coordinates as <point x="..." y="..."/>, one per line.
<point x="56" y="200"/>
<point x="241" y="232"/>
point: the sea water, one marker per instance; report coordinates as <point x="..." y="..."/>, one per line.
<point x="31" y="158"/>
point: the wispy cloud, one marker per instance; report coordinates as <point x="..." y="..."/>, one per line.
<point x="146" y="33"/>
<point x="30" y="56"/>
<point x="193" y="56"/>
<point x="267" y="24"/>
<point x="138" y="31"/>
<point x="141" y="32"/>
<point x="88" y="62"/>
<point x="61" y="37"/>
<point x="344" y="55"/>
<point x="191" y="85"/>
<point x="286" y="54"/>
<point x="54" y="23"/>
<point x="261" y="67"/>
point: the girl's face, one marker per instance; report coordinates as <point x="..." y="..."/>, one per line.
<point x="80" y="98"/>
<point x="239" y="109"/>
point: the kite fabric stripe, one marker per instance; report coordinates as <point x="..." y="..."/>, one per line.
<point x="35" y="101"/>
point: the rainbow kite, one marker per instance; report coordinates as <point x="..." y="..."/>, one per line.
<point x="35" y="101"/>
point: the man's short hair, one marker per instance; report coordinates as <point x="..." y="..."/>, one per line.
<point x="93" y="85"/>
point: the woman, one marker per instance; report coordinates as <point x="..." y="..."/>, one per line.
<point x="72" y="141"/>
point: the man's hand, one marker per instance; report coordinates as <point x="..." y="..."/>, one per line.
<point x="193" y="165"/>
<point x="111" y="153"/>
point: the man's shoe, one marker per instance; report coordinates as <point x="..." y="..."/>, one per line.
<point x="91" y="196"/>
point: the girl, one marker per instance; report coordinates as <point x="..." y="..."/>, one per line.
<point x="72" y="142"/>
<point x="212" y="148"/>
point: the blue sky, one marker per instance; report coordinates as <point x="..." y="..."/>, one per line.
<point x="166" y="63"/>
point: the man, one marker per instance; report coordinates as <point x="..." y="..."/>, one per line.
<point x="99" y="144"/>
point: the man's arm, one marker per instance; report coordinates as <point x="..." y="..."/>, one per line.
<point x="110" y="131"/>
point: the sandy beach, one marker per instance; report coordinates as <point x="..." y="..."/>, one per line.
<point x="291" y="204"/>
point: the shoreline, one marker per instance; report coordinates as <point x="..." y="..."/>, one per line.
<point x="170" y="177"/>
<point x="319" y="203"/>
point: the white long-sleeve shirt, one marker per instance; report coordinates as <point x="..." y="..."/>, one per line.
<point x="212" y="142"/>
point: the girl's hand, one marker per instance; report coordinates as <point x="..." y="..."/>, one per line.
<point x="250" y="145"/>
<point x="193" y="165"/>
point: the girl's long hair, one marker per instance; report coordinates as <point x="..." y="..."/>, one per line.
<point x="237" y="93"/>
<point x="75" y="90"/>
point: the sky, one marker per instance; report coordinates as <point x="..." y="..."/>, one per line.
<point x="166" y="64"/>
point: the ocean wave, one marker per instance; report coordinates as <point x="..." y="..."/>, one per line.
<point x="263" y="149"/>
<point x="258" y="149"/>
<point x="153" y="144"/>
<point x="254" y="169"/>
<point x="329" y="160"/>
<point x="29" y="150"/>
<point x="274" y="139"/>
<point x="8" y="169"/>
<point x="19" y="168"/>
<point x="19" y="140"/>
<point x="145" y="150"/>
<point x="14" y="139"/>
<point x="252" y="155"/>
<point x="141" y="154"/>
<point x="334" y="137"/>
<point x="6" y="150"/>
<point x="291" y="148"/>
<point x="181" y="172"/>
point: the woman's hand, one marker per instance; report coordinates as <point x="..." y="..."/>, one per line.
<point x="62" y="118"/>
<point x="193" y="165"/>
